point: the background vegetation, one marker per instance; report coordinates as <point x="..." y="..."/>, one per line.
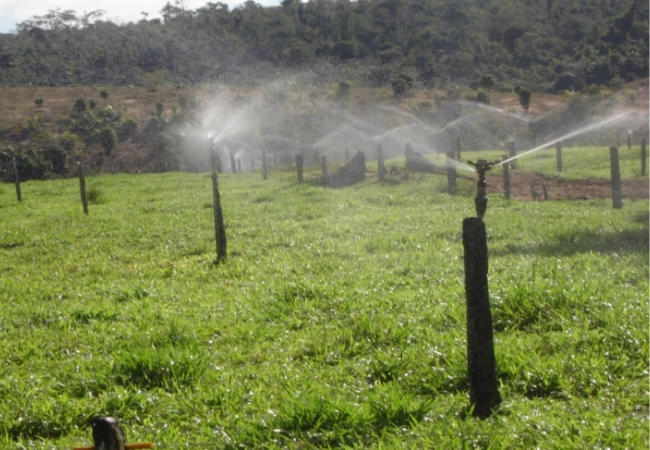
<point x="548" y="46"/>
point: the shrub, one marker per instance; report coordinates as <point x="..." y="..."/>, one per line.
<point x="402" y="84"/>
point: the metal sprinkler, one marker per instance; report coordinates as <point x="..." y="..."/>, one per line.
<point x="480" y="201"/>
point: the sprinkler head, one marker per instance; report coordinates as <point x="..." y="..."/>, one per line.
<point x="480" y="201"/>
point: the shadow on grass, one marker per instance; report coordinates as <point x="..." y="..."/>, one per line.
<point x="584" y="241"/>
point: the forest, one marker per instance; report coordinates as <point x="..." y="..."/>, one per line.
<point x="548" y="46"/>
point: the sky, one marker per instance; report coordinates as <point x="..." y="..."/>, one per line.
<point x="13" y="12"/>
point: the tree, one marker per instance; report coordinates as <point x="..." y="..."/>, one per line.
<point x="487" y="82"/>
<point x="108" y="140"/>
<point x="402" y="84"/>
<point x="79" y="105"/>
<point x="524" y="97"/>
<point x="482" y="97"/>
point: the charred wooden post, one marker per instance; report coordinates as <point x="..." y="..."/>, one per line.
<point x="82" y="188"/>
<point x="108" y="434"/>
<point x="219" y="228"/>
<point x="481" y="362"/>
<point x="617" y="196"/>
<point x="558" y="157"/>
<point x="300" y="162"/>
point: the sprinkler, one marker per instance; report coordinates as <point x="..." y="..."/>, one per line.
<point x="480" y="201"/>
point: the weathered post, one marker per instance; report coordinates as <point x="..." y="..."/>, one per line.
<point x="300" y="162"/>
<point x="325" y="170"/>
<point x="481" y="363"/>
<point x="506" y="179"/>
<point x="19" y="195"/>
<point x="629" y="141"/>
<point x="458" y="148"/>
<point x="265" y="166"/>
<point x="233" y="163"/>
<point x="512" y="152"/>
<point x="238" y="165"/>
<point x="381" y="167"/>
<point x="452" y="176"/>
<point x="82" y="188"/>
<point x="617" y="196"/>
<point x="558" y="157"/>
<point x="219" y="229"/>
<point x="644" y="156"/>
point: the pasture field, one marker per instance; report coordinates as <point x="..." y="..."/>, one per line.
<point x="338" y="319"/>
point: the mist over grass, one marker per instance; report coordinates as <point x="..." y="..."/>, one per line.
<point x="337" y="320"/>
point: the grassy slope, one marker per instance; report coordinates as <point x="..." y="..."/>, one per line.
<point x="337" y="319"/>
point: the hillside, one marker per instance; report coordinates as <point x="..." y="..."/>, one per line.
<point x="144" y="96"/>
<point x="160" y="128"/>
<point x="547" y="46"/>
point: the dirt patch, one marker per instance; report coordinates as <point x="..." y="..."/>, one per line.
<point x="530" y="186"/>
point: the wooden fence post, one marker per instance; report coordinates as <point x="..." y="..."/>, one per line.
<point x="219" y="229"/>
<point x="82" y="188"/>
<point x="265" y="166"/>
<point x="644" y="156"/>
<point x="506" y="179"/>
<point x="558" y="157"/>
<point x="19" y="194"/>
<point x="617" y="196"/>
<point x="324" y="168"/>
<point x="451" y="174"/>
<point x="300" y="161"/>
<point x="481" y="362"/>
<point x="458" y="149"/>
<point x="512" y="152"/>
<point x="233" y="163"/>
<point x="381" y="167"/>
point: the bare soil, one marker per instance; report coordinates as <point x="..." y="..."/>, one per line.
<point x="531" y="186"/>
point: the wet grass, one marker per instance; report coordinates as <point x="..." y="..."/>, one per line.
<point x="338" y="319"/>
<point x="578" y="163"/>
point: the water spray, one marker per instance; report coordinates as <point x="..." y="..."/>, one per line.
<point x="481" y="200"/>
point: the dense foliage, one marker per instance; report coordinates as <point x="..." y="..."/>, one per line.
<point x="552" y="45"/>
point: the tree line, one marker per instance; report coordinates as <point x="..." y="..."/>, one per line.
<point x="549" y="46"/>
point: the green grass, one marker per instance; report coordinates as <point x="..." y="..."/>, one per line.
<point x="338" y="319"/>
